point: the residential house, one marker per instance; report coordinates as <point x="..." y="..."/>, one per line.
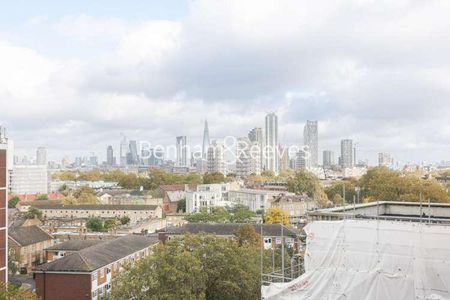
<point x="27" y="244"/>
<point x="171" y="194"/>
<point x="295" y="205"/>
<point x="68" y="247"/>
<point x="89" y="273"/>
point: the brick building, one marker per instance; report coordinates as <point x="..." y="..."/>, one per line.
<point x="27" y="244"/>
<point x="88" y="273"/>
<point x="3" y="207"/>
<point x="69" y="247"/>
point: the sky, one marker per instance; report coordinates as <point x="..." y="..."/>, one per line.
<point x="76" y="74"/>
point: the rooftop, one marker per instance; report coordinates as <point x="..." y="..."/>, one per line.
<point x="28" y="235"/>
<point x="99" y="207"/>
<point x="389" y="210"/>
<point x="99" y="255"/>
<point x="74" y="245"/>
<point x="228" y="229"/>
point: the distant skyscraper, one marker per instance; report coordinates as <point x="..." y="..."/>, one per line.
<point x="347" y="154"/>
<point x="41" y="156"/>
<point x="110" y="156"/>
<point x="181" y="151"/>
<point x="133" y="156"/>
<point x="206" y="140"/>
<point x="256" y="135"/>
<point x="3" y="207"/>
<point x="123" y="150"/>
<point x="215" y="159"/>
<point x="328" y="159"/>
<point x="284" y="158"/>
<point x="248" y="157"/>
<point x="311" y="140"/>
<point x="385" y="159"/>
<point x="271" y="143"/>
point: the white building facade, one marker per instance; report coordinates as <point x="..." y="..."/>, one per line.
<point x="29" y="179"/>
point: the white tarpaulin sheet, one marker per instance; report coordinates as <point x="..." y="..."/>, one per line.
<point x="369" y="259"/>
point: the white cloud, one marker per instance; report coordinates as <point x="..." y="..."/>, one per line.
<point x="377" y="71"/>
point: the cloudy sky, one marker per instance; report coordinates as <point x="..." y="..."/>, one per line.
<point x="75" y="74"/>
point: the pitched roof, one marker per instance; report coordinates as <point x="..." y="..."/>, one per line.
<point x="28" y="235"/>
<point x="99" y="207"/>
<point x="33" y="197"/>
<point x="172" y="187"/>
<point x="99" y="255"/>
<point x="74" y="245"/>
<point x="228" y="229"/>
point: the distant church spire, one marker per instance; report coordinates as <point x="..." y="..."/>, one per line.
<point x="206" y="141"/>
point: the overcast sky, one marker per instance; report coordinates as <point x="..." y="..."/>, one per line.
<point x="74" y="74"/>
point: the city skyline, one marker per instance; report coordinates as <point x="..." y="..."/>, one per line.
<point x="91" y="73"/>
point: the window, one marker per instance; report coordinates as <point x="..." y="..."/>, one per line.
<point x="108" y="270"/>
<point x="94" y="276"/>
<point x="94" y="294"/>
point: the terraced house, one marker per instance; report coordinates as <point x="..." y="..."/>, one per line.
<point x="88" y="273"/>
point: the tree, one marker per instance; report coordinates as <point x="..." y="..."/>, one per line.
<point x="110" y="224"/>
<point x="95" y="225"/>
<point x="70" y="200"/>
<point x="215" y="177"/>
<point x="246" y="236"/>
<point x="276" y="215"/>
<point x="85" y="195"/>
<point x="304" y="182"/>
<point x="42" y="197"/>
<point x="125" y="220"/>
<point x="193" y="267"/>
<point x="32" y="213"/>
<point x="382" y="184"/>
<point x="181" y="205"/>
<point x="13" y="202"/>
<point x="11" y="292"/>
<point x="241" y="214"/>
<point x="337" y="188"/>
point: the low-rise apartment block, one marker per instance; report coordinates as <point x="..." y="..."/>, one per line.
<point x="89" y="273"/>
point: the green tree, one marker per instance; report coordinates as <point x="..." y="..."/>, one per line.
<point x="42" y="197"/>
<point x="193" y="267"/>
<point x="276" y="215"/>
<point x="337" y="188"/>
<point x="32" y="213"/>
<point x="95" y="225"/>
<point x="13" y="202"/>
<point x="181" y="205"/>
<point x="215" y="177"/>
<point x="241" y="214"/>
<point x="125" y="220"/>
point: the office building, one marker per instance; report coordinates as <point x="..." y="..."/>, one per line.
<point x="123" y="150"/>
<point x="206" y="141"/>
<point x="29" y="179"/>
<point x="215" y="159"/>
<point x="270" y="152"/>
<point x="385" y="160"/>
<point x="110" y="159"/>
<point x="41" y="156"/>
<point x="3" y="205"/>
<point x="248" y="157"/>
<point x="132" y="155"/>
<point x="311" y="143"/>
<point x="328" y="159"/>
<point x="284" y="158"/>
<point x="347" y="154"/>
<point x="181" y="160"/>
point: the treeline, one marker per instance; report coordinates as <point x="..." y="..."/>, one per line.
<point x="149" y="180"/>
<point x="379" y="183"/>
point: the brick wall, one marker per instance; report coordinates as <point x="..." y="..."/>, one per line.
<point x="63" y="286"/>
